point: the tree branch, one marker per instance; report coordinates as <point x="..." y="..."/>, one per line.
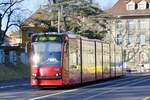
<point x="8" y="21"/>
<point x="4" y="3"/>
<point x="9" y="27"/>
<point x="11" y="5"/>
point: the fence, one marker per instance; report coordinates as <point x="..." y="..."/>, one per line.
<point x="13" y="55"/>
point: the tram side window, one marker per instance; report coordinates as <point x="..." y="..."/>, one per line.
<point x="73" y="53"/>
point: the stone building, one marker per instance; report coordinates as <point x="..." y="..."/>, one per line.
<point x="131" y="29"/>
<point x="13" y="38"/>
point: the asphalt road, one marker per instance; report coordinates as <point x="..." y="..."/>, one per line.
<point x="130" y="87"/>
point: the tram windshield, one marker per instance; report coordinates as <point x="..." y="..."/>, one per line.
<point x="46" y="53"/>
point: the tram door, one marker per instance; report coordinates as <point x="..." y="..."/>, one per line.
<point x="113" y="63"/>
<point x="106" y="61"/>
<point x="74" y="61"/>
<point x="88" y="61"/>
<point x="119" y="66"/>
<point x="99" y="67"/>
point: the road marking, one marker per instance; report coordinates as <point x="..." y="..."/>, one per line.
<point x="83" y="88"/>
<point x="73" y="90"/>
<point x="90" y="97"/>
<point x="45" y="96"/>
<point x="115" y="80"/>
<point x="11" y="86"/>
<point x="14" y="93"/>
<point x="108" y="87"/>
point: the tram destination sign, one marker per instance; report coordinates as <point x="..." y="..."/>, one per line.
<point x="46" y="37"/>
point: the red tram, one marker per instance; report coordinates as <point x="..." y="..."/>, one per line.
<point x="67" y="59"/>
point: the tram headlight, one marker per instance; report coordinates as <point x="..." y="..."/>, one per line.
<point x="34" y="75"/>
<point x="57" y="74"/>
<point x="36" y="60"/>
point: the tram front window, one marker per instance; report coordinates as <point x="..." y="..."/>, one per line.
<point x="46" y="54"/>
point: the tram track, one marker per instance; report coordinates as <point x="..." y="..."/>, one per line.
<point x="128" y="85"/>
<point x="119" y="84"/>
<point x="115" y="89"/>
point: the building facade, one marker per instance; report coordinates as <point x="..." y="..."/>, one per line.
<point x="131" y="29"/>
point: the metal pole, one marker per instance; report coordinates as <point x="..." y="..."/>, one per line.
<point x="149" y="45"/>
<point x="110" y="66"/>
<point x="102" y="62"/>
<point x="0" y="21"/>
<point x="81" y="62"/>
<point x="59" y="16"/>
<point x="95" y="60"/>
<point x="0" y="27"/>
<point x="115" y="61"/>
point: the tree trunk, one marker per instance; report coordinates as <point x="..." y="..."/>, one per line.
<point x="52" y="1"/>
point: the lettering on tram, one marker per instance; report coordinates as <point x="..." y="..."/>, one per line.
<point x="69" y="59"/>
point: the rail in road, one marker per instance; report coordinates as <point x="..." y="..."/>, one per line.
<point x="130" y="87"/>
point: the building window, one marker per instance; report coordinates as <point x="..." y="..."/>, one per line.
<point x="130" y="39"/>
<point x="141" y="24"/>
<point x="147" y="38"/>
<point x="119" y="39"/>
<point x="130" y="25"/>
<point x="142" y="5"/>
<point x="142" y="39"/>
<point x="130" y="6"/>
<point x="119" y="25"/>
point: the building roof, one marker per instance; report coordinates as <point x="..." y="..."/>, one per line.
<point x="39" y="14"/>
<point x="137" y="1"/>
<point x="120" y="10"/>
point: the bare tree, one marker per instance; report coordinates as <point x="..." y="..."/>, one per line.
<point x="9" y="16"/>
<point x="131" y="47"/>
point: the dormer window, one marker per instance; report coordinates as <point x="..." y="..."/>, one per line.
<point x="142" y="5"/>
<point x="131" y="5"/>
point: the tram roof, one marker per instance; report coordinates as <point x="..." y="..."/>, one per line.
<point x="70" y="35"/>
